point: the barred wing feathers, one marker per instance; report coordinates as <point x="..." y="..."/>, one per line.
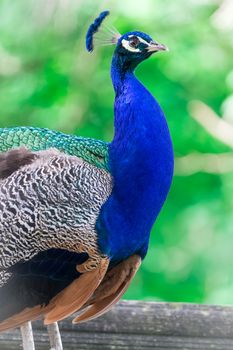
<point x="48" y="208"/>
<point x="50" y="265"/>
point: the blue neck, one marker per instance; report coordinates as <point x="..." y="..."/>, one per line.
<point x="141" y="163"/>
<point x="120" y="71"/>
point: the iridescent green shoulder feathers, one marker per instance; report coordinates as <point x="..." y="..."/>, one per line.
<point x="93" y="151"/>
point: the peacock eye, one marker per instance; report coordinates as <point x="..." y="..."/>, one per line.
<point x="134" y="42"/>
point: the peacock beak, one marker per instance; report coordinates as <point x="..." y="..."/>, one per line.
<point x="154" y="47"/>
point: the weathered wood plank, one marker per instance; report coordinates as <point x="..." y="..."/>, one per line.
<point x="141" y="326"/>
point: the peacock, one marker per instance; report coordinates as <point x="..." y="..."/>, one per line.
<point x="76" y="213"/>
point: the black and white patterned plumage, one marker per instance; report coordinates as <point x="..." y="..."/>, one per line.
<point x="49" y="203"/>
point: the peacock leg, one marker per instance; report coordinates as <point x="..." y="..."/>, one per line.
<point x="54" y="336"/>
<point x="27" y="336"/>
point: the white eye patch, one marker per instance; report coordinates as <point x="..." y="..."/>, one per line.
<point x="140" y="39"/>
<point x="125" y="43"/>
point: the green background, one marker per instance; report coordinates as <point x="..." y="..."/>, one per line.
<point x="48" y="79"/>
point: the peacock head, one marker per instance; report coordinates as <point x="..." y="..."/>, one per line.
<point x="131" y="48"/>
<point x="135" y="47"/>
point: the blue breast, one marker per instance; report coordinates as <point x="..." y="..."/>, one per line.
<point x="141" y="161"/>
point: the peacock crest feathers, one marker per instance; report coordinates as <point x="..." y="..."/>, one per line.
<point x="108" y="35"/>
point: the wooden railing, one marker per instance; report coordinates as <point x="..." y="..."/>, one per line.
<point x="141" y="325"/>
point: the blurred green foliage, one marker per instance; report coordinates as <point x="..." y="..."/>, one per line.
<point x="47" y="79"/>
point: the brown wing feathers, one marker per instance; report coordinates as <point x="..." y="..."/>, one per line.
<point x="95" y="292"/>
<point x="76" y="294"/>
<point x="70" y="300"/>
<point x="114" y="285"/>
<point x="29" y="314"/>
